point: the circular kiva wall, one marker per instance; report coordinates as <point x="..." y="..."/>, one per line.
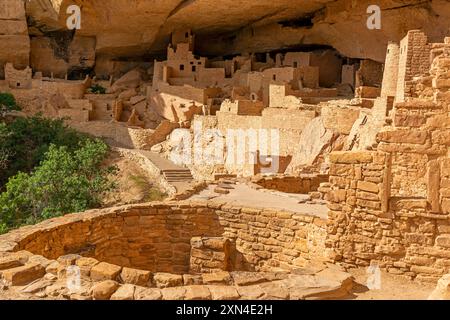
<point x="178" y="237"/>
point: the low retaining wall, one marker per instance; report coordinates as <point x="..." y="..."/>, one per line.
<point x="157" y="236"/>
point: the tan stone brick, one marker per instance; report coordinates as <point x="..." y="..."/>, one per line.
<point x="223" y="293"/>
<point x="222" y="277"/>
<point x="124" y="292"/>
<point x="22" y="275"/>
<point x="105" y="271"/>
<point x="368" y="186"/>
<point x="197" y="292"/>
<point x="104" y="290"/>
<point x="177" y="293"/>
<point x="135" y="276"/>
<point x="147" y="293"/>
<point x="443" y="240"/>
<point x="350" y="157"/>
<point x="10" y="261"/>
<point x="165" y="280"/>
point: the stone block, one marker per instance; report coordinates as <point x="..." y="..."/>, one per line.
<point x="443" y="240"/>
<point x="197" y="292"/>
<point x="165" y="280"/>
<point x="105" y="271"/>
<point x="104" y="290"/>
<point x="24" y="274"/>
<point x="125" y="292"/>
<point x="403" y="136"/>
<point x="217" y="278"/>
<point x="135" y="276"/>
<point x="351" y="157"/>
<point x="368" y="186"/>
<point x="223" y="293"/>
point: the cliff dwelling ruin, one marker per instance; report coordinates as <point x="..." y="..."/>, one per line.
<point x="297" y="148"/>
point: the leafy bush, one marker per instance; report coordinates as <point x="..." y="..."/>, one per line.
<point x="7" y="104"/>
<point x="65" y="181"/>
<point x="24" y="142"/>
<point x="97" y="89"/>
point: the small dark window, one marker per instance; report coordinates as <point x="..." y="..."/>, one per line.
<point x="274" y="77"/>
<point x="295" y="64"/>
<point x="192" y="62"/>
<point x="18" y="84"/>
<point x="186" y="35"/>
<point x="181" y="67"/>
<point x="194" y="68"/>
<point x="199" y="63"/>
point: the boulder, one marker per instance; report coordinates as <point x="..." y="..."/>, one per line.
<point x="165" y="280"/>
<point x="125" y="292"/>
<point x="24" y="274"/>
<point x="135" y="276"/>
<point x="442" y="290"/>
<point x="105" y="271"/>
<point x="130" y="80"/>
<point x="104" y="290"/>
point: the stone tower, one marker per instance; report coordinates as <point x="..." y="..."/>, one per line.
<point x="414" y="60"/>
<point x="390" y="75"/>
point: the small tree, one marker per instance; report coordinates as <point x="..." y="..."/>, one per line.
<point x="7" y="104"/>
<point x="64" y="182"/>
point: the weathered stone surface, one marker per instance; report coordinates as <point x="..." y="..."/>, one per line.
<point x="247" y="278"/>
<point x="85" y="265"/>
<point x="105" y="271"/>
<point x="104" y="290"/>
<point x="37" y="285"/>
<point x="443" y="240"/>
<point x="177" y="293"/>
<point x="125" y="292"/>
<point x="147" y="294"/>
<point x="216" y="278"/>
<point x="24" y="274"/>
<point x="223" y="293"/>
<point x="250" y="292"/>
<point x="165" y="280"/>
<point x="9" y="262"/>
<point x="442" y="290"/>
<point x="350" y="157"/>
<point x="135" y="276"/>
<point x="197" y="292"/>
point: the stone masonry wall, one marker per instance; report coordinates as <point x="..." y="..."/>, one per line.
<point x="157" y="236"/>
<point x="392" y="206"/>
<point x="291" y="184"/>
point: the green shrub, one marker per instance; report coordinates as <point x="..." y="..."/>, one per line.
<point x="7" y="104"/>
<point x="24" y="142"/>
<point x="97" y="89"/>
<point x="65" y="181"/>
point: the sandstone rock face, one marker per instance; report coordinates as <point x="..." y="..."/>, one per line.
<point x="442" y="291"/>
<point x="243" y="26"/>
<point x="313" y="140"/>
<point x="14" y="40"/>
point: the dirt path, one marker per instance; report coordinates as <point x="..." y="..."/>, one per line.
<point x="393" y="287"/>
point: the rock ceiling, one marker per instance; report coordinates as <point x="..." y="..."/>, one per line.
<point x="126" y="28"/>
